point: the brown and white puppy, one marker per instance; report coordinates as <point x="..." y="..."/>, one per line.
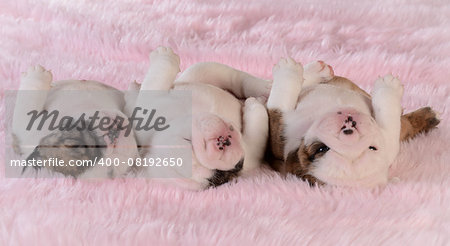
<point x="64" y="109"/>
<point x="327" y="130"/>
<point x="226" y="134"/>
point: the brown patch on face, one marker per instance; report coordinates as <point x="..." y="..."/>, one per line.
<point x="221" y="177"/>
<point x="299" y="162"/>
<point x="420" y="121"/>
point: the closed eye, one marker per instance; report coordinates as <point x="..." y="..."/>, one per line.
<point x="373" y="148"/>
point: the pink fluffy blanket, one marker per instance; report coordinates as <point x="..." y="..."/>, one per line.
<point x="110" y="40"/>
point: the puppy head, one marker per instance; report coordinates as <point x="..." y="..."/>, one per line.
<point x="344" y="147"/>
<point x="217" y="146"/>
<point x="69" y="145"/>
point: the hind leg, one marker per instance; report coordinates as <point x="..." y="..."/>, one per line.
<point x="287" y="84"/>
<point x="241" y="84"/>
<point x="317" y="72"/>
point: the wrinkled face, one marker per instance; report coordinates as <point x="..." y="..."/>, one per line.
<point x="217" y="146"/>
<point x="343" y="147"/>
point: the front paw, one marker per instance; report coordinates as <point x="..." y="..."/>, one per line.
<point x="317" y="72"/>
<point x="164" y="54"/>
<point x="389" y="82"/>
<point x="37" y="74"/>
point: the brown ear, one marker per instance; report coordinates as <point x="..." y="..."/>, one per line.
<point x="419" y="121"/>
<point x="298" y="164"/>
<point x="292" y="163"/>
<point x="297" y="161"/>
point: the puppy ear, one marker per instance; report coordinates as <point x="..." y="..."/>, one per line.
<point x="419" y="121"/>
<point x="292" y="163"/>
<point x="221" y="177"/>
<point x="298" y="163"/>
<point x="35" y="155"/>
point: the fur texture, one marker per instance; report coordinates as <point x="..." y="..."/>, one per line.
<point x="110" y="41"/>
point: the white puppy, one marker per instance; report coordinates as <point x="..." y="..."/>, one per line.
<point x="76" y="121"/>
<point x="225" y="135"/>
<point x="328" y="130"/>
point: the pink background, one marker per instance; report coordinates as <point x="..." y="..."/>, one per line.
<point x="110" y="41"/>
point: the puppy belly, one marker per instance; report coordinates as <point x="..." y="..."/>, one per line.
<point x="326" y="98"/>
<point x="213" y="100"/>
<point x="74" y="96"/>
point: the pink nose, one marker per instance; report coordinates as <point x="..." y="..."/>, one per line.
<point x="217" y="134"/>
<point x="349" y="125"/>
<point x="226" y="137"/>
<point x="349" y="119"/>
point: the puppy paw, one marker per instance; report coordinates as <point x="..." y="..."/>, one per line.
<point x="287" y="84"/>
<point x="317" y="72"/>
<point x="254" y="112"/>
<point x="252" y="103"/>
<point x="391" y="83"/>
<point x="37" y="74"/>
<point x="164" y="54"/>
<point x="288" y="68"/>
<point x="134" y="86"/>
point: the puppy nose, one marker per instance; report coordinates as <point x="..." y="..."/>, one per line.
<point x="350" y="120"/>
<point x="349" y="125"/>
<point x="222" y="142"/>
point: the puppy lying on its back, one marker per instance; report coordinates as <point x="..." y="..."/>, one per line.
<point x="70" y="113"/>
<point x="329" y="131"/>
<point x="226" y="135"/>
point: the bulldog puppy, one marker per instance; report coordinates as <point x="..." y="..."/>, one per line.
<point x="226" y="134"/>
<point x="78" y="126"/>
<point x="326" y="130"/>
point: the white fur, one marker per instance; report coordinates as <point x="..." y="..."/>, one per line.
<point x="36" y="92"/>
<point x="209" y="84"/>
<point x="287" y="83"/>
